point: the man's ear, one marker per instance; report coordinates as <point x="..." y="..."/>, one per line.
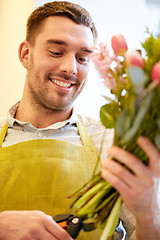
<point x="23" y="53"/>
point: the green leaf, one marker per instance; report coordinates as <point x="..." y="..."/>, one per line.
<point x="123" y="123"/>
<point x="137" y="77"/>
<point x="108" y="114"/>
<point x="137" y="121"/>
<point x="152" y="48"/>
<point x="157" y="141"/>
<point x="158" y="122"/>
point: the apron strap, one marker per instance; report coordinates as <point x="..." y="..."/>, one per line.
<point x="87" y="141"/>
<point x="85" y="137"/>
<point x="3" y="133"/>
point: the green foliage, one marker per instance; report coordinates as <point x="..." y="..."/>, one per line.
<point x="123" y="123"/>
<point x="152" y="49"/>
<point x="108" y="114"/>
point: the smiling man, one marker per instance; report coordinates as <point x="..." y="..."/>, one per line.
<point x="57" y="67"/>
<point x="46" y="151"/>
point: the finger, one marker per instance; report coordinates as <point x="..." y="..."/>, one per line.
<point x="151" y="152"/>
<point x="133" y="163"/>
<point x="124" y="189"/>
<point x="124" y="174"/>
<point x="57" y="231"/>
<point x="45" y="235"/>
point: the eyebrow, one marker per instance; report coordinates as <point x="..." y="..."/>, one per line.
<point x="63" y="43"/>
<point x="86" y="50"/>
<point x="54" y="41"/>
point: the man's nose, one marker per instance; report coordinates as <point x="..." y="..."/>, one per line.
<point x="69" y="65"/>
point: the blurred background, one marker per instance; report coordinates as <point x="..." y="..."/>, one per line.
<point x="128" y="17"/>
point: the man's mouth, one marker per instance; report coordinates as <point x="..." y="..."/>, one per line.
<point x="60" y="83"/>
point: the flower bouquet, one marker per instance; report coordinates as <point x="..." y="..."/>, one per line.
<point x="132" y="110"/>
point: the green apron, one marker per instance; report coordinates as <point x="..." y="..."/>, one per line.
<point x="40" y="174"/>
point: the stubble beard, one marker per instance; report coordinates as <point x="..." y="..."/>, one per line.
<point x="40" y="96"/>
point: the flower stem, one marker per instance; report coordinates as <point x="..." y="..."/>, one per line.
<point x="89" y="194"/>
<point x="95" y="201"/>
<point x="112" y="220"/>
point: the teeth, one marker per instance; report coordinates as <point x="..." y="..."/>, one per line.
<point x="62" y="84"/>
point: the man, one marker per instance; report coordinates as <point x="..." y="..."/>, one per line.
<point x="46" y="151"/>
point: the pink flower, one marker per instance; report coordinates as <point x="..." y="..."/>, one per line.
<point x="155" y="74"/>
<point x="134" y="59"/>
<point x="108" y="66"/>
<point x="110" y="82"/>
<point x="119" y="45"/>
<point x="101" y="59"/>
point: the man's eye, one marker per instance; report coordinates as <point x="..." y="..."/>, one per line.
<point x="55" y="53"/>
<point x="83" y="60"/>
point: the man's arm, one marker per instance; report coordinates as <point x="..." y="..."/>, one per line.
<point x="139" y="190"/>
<point x="16" y="225"/>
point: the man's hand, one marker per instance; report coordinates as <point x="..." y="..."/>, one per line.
<point x="30" y="225"/>
<point x="140" y="191"/>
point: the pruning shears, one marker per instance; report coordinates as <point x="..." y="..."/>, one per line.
<point x="74" y="224"/>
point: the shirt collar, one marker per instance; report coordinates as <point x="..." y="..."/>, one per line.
<point x="14" y="123"/>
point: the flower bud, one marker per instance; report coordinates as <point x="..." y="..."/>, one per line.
<point x="134" y="59"/>
<point x="155" y="74"/>
<point x="119" y="45"/>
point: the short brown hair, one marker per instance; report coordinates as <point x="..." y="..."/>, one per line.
<point x="59" y="8"/>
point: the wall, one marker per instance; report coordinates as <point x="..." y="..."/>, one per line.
<point x="13" y="16"/>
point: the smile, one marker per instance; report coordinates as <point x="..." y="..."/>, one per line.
<point x="61" y="83"/>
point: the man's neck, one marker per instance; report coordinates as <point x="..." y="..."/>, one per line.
<point x="40" y="117"/>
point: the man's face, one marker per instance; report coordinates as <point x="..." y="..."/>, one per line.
<point x="58" y="63"/>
